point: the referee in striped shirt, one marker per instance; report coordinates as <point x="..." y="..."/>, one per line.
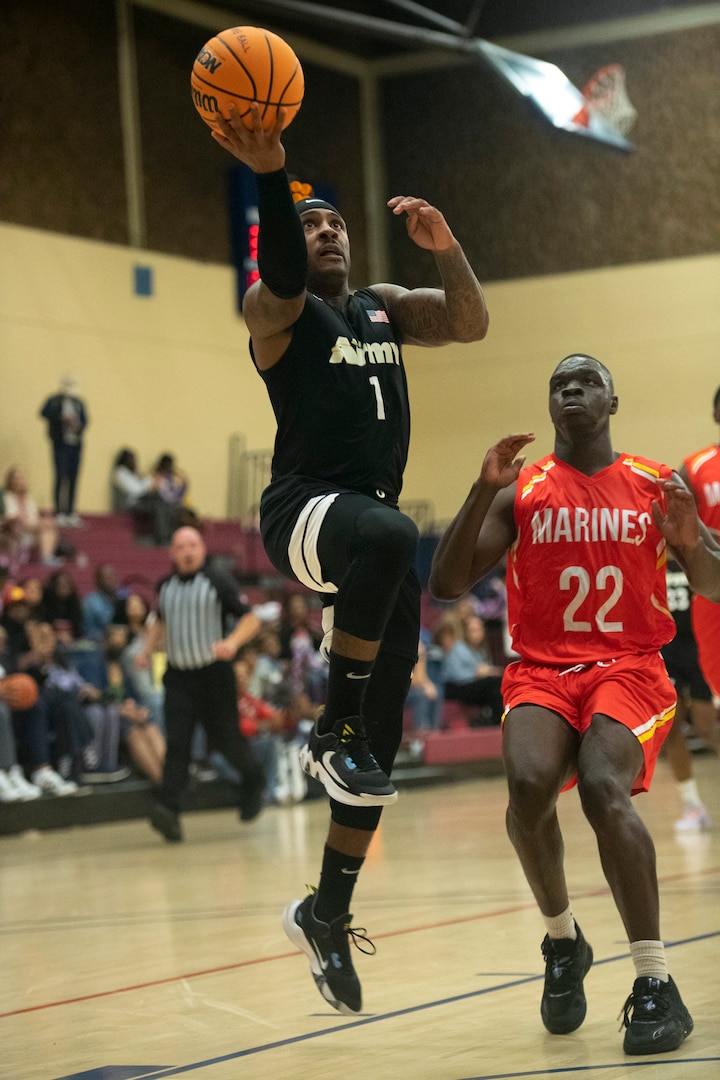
<point x="195" y="603"/>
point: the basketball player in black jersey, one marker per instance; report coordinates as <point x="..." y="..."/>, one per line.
<point x="332" y="363"/>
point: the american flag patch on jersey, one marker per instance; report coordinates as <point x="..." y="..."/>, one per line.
<point x="377" y="316"/>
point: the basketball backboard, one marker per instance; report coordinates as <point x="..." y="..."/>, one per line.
<point x="550" y="90"/>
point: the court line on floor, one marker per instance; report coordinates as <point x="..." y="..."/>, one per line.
<point x="477" y="917"/>
<point x="558" y="1071"/>
<point x="178" y="1070"/>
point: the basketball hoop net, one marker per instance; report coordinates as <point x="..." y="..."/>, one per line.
<point x="605" y="96"/>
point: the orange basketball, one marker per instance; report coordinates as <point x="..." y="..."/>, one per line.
<point x="19" y="692"/>
<point x="242" y="65"/>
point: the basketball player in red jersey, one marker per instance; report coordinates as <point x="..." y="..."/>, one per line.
<point x="701" y="472"/>
<point x="590" y="701"/>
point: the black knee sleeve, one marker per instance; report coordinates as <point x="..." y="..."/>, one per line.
<point x="381" y="548"/>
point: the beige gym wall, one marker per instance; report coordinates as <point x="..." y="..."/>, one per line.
<point x="172" y="371"/>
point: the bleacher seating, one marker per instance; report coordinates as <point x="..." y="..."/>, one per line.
<point x="115" y="538"/>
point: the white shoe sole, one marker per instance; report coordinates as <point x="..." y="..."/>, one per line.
<point x="296" y="935"/>
<point x="319" y="771"/>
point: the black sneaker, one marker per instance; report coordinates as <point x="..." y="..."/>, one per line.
<point x="251" y="797"/>
<point x="567" y="962"/>
<point x="342" y="762"/>
<point x="327" y="947"/>
<point x="166" y="821"/>
<point x="659" y="1020"/>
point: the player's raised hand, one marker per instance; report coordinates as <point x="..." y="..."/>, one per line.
<point x="676" y="515"/>
<point x="502" y="466"/>
<point x="426" y="226"/>
<point x="262" y="151"/>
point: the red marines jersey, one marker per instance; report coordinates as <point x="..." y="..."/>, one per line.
<point x="703" y="469"/>
<point x="586" y="574"/>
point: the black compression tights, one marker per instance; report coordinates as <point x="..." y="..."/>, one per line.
<point x="380" y="546"/>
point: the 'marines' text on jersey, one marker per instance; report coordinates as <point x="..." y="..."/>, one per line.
<point x="579" y="524"/>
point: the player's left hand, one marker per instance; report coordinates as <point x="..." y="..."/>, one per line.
<point x="262" y="151"/>
<point x="502" y="466"/>
<point x="677" y="520"/>
<point x="426" y="226"/>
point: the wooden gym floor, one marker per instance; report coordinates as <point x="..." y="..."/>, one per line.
<point x="125" y="957"/>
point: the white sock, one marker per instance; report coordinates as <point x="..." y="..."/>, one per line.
<point x="689" y="792"/>
<point x="562" y="925"/>
<point x="649" y="959"/>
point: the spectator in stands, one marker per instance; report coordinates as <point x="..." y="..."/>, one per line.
<point x="14" y="787"/>
<point x="425" y="699"/>
<point x="61" y="606"/>
<point x="268" y="678"/>
<point x="133" y="612"/>
<point x="469" y="675"/>
<point x="33" y="589"/>
<point x="64" y="727"/>
<point x="300" y="643"/>
<point x="119" y="716"/>
<point x="67" y="419"/>
<point x="131" y="490"/>
<point x="33" y="534"/>
<point x="261" y="724"/>
<point x="98" y="607"/>
<point x="14" y="619"/>
<point x="172" y="484"/>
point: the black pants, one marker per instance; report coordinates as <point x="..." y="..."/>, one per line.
<point x="206" y="696"/>
<point x="162" y="516"/>
<point x="485" y="692"/>
<point x="66" y="459"/>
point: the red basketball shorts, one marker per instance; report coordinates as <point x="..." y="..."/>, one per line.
<point x="706" y="628"/>
<point x="634" y="690"/>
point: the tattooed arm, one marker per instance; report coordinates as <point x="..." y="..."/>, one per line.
<point x="457" y="312"/>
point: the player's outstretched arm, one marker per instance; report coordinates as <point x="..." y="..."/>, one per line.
<point x="457" y="312"/>
<point x="484" y="527"/>
<point x="692" y="544"/>
<point x="274" y="303"/>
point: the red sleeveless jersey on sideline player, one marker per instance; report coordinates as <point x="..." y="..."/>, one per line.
<point x="586" y="573"/>
<point x="703" y="469"/>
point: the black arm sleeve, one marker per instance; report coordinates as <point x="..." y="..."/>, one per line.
<point x="282" y="251"/>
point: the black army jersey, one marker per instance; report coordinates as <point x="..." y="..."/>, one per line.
<point x="340" y="399"/>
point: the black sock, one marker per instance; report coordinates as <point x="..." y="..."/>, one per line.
<point x="337" y="880"/>
<point x="347" y="683"/>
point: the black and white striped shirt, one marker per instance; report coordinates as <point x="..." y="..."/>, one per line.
<point x="195" y="611"/>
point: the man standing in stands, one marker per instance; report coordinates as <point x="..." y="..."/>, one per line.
<point x="67" y="419"/>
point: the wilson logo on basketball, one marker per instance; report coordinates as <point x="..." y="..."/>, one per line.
<point x="206" y="102"/>
<point x="208" y="61"/>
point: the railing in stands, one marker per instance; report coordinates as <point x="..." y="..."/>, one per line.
<point x="248" y="476"/>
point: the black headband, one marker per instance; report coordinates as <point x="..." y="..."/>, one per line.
<point x="315" y="204"/>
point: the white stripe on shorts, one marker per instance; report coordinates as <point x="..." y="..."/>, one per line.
<point x="302" y="549"/>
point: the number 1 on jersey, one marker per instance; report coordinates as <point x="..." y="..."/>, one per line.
<point x="378" y="397"/>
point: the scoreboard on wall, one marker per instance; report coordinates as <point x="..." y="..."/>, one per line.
<point x="244" y="225"/>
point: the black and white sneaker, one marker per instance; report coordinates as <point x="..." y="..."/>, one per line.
<point x="327" y="947"/>
<point x="659" y="1020"/>
<point x="567" y="962"/>
<point x="342" y="762"/>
